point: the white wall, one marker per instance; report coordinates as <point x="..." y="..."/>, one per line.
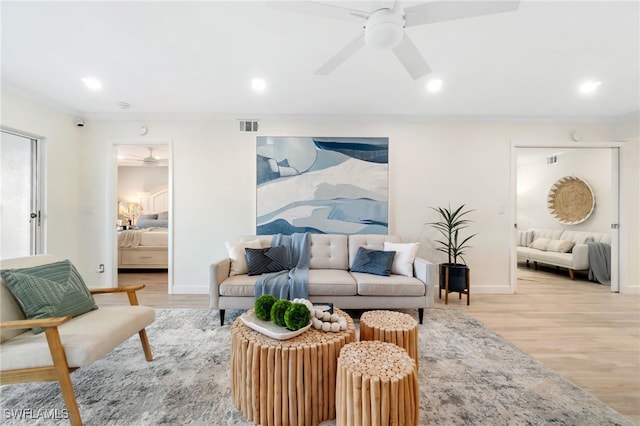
<point x="135" y="179"/>
<point x="431" y="164"/>
<point x="536" y="177"/>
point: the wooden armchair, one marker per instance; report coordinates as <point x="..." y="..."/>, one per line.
<point x="64" y="345"/>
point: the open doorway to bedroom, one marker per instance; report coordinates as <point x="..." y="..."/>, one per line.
<point x="570" y="192"/>
<point x="142" y="233"/>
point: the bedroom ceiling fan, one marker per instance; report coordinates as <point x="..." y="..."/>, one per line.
<point x="384" y="23"/>
<point x="151" y="161"/>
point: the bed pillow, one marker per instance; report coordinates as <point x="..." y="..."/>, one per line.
<point x="540" y="243"/>
<point x="163" y="216"/>
<point x="238" y="256"/>
<point x="560" y="246"/>
<point x="403" y="260"/>
<point x="51" y="290"/>
<point x="376" y="262"/>
<point x="265" y="260"/>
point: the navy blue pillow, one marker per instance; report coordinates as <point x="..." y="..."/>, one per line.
<point x="271" y="259"/>
<point x="377" y="262"/>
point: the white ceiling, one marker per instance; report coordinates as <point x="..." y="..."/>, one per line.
<point x="186" y="58"/>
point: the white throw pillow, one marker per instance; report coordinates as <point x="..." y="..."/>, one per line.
<point x="403" y="260"/>
<point x="560" y="246"/>
<point x="238" y="256"/>
<point x="540" y="243"/>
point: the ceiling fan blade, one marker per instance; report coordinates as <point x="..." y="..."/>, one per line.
<point x="341" y="56"/>
<point x="317" y="8"/>
<point x="439" y="11"/>
<point x="411" y="58"/>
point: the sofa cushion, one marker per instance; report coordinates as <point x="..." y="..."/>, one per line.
<point x="540" y="244"/>
<point x="328" y="251"/>
<point x="52" y="290"/>
<point x="403" y="260"/>
<point x="377" y="262"/>
<point x="239" y="286"/>
<point x="238" y="256"/>
<point x="85" y="338"/>
<point x="560" y="246"/>
<point x="394" y="285"/>
<point x="265" y="260"/>
<point x="331" y="282"/>
<point x="525" y="238"/>
<point x="368" y="241"/>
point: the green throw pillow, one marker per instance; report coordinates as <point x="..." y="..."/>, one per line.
<point x="51" y="290"/>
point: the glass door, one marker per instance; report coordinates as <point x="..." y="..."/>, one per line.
<point x="20" y="215"/>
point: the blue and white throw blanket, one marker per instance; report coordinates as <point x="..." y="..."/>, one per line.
<point x="294" y="282"/>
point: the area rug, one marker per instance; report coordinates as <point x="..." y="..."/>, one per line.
<point x="468" y="376"/>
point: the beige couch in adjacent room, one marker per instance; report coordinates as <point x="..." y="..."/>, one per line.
<point x="330" y="278"/>
<point x="558" y="247"/>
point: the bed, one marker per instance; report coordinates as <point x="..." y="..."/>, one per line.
<point x="146" y="246"/>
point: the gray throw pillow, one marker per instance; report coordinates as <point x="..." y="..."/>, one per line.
<point x="264" y="260"/>
<point x="51" y="290"/>
<point x="377" y="262"/>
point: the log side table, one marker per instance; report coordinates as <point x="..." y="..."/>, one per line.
<point x="377" y="384"/>
<point x="392" y="327"/>
<point x="286" y="382"/>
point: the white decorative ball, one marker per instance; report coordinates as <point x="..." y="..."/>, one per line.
<point x="335" y="327"/>
<point x="326" y="316"/>
<point x="335" y="317"/>
<point x="343" y="325"/>
<point x="326" y="326"/>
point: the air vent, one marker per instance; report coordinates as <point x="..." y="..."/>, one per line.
<point x="248" y="125"/>
<point x="552" y="160"/>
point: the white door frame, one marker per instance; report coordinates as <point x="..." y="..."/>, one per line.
<point x="615" y="207"/>
<point x="112" y="200"/>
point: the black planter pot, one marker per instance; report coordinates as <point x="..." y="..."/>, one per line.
<point x="457" y="276"/>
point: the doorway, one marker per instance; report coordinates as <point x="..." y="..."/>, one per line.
<point x="20" y="184"/>
<point x="140" y="224"/>
<point x="598" y="162"/>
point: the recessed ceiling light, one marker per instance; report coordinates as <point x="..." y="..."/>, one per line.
<point x="589" y="86"/>
<point x="259" y="84"/>
<point x="434" y="85"/>
<point x="92" y="83"/>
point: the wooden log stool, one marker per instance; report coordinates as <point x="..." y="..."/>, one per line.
<point x="391" y="327"/>
<point x="377" y="384"/>
<point x="286" y="382"/>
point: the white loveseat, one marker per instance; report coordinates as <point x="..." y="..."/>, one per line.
<point x="330" y="278"/>
<point x="558" y="247"/>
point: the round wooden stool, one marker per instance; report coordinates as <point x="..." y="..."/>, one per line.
<point x="392" y="327"/>
<point x="376" y="384"/>
<point x="278" y="382"/>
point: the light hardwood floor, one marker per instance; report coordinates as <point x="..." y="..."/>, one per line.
<point x="579" y="329"/>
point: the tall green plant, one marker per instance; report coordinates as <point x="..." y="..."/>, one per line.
<point x="449" y="226"/>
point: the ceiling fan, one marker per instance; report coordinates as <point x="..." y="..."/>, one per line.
<point x="151" y="161"/>
<point x="384" y="23"/>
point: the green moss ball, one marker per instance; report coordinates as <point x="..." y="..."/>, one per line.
<point x="262" y="306"/>
<point x="277" y="311"/>
<point x="297" y="316"/>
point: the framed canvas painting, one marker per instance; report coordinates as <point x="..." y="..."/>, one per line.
<point x="322" y="185"/>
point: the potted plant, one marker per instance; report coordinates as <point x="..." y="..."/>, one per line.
<point x="450" y="223"/>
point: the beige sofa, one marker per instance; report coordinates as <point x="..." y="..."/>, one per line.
<point x="67" y="343"/>
<point x="558" y="247"/>
<point x="330" y="278"/>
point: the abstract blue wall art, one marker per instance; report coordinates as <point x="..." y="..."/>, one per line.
<point x="322" y="185"/>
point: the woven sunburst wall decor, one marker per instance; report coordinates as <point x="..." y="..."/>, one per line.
<point x="571" y="200"/>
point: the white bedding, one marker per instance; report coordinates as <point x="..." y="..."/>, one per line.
<point x="143" y="237"/>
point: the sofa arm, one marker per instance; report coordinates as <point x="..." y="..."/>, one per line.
<point x="580" y="257"/>
<point x="130" y="290"/>
<point x="218" y="272"/>
<point x="31" y="323"/>
<point x="427" y="272"/>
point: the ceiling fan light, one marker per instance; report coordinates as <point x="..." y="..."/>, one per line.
<point x="383" y="30"/>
